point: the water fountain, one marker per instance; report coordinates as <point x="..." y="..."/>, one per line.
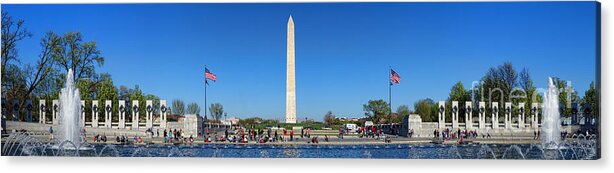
<point x="550" y="135"/>
<point x="70" y="109"/>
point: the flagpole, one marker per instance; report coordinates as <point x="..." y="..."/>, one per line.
<point x="390" y="90"/>
<point x="205" y="92"/>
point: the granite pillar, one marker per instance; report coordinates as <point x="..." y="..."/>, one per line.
<point x="41" y="111"/>
<point x="149" y="114"/>
<point x="442" y="114"/>
<point x="534" y="116"/>
<point x="495" y="115"/>
<point x="82" y="118"/>
<point x="55" y="112"/>
<point x="95" y="113"/>
<point x="521" y="117"/>
<point x="122" y="114"/>
<point x="135" y="114"/>
<point x="16" y="110"/>
<point x="108" y="111"/>
<point x="454" y="114"/>
<point x="468" y="115"/>
<point x="163" y="110"/>
<point x="482" y="115"/>
<point x="29" y="109"/>
<point x="508" y="115"/>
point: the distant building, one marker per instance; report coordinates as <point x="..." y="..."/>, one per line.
<point x="230" y="121"/>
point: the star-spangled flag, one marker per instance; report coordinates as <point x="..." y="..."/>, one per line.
<point x="209" y="75"/>
<point x="394" y="77"/>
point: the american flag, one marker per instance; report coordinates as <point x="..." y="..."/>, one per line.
<point x="394" y="77"/>
<point x="209" y="75"/>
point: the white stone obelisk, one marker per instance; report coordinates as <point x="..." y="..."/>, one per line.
<point x="290" y="78"/>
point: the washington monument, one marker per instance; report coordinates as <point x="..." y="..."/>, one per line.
<point x="290" y="78"/>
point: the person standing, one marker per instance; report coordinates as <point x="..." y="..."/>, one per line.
<point x="51" y="133"/>
<point x="291" y="134"/>
<point x="285" y="133"/>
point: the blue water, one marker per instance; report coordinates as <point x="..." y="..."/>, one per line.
<point x="380" y="151"/>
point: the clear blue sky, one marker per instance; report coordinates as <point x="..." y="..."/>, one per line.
<point x="343" y="50"/>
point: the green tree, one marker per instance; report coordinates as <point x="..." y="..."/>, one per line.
<point x="526" y="83"/>
<point x="124" y="93"/>
<point x="12" y="32"/>
<point x="457" y="93"/>
<point x="216" y="110"/>
<point x="424" y="108"/>
<point x="402" y="112"/>
<point x="250" y="121"/>
<point x="329" y="118"/>
<point x="137" y="94"/>
<point x="106" y="90"/>
<point x="193" y="108"/>
<point x="155" y="104"/>
<point x="567" y="95"/>
<point x="82" y="57"/>
<point x="178" y="107"/>
<point x="376" y="110"/>
<point x="497" y="86"/>
<point x="591" y="99"/>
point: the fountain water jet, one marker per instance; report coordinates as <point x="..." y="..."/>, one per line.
<point x="551" y="117"/>
<point x="70" y="109"/>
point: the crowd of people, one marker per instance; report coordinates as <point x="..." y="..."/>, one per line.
<point x="459" y="134"/>
<point x="243" y="135"/>
<point x="369" y="132"/>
